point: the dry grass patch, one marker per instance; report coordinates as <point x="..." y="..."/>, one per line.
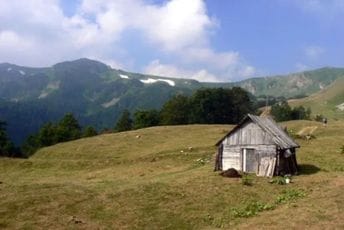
<point x="157" y="182"/>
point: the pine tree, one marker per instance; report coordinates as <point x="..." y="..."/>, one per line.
<point x="30" y="145"/>
<point x="89" y="132"/>
<point x="124" y="123"/>
<point x="47" y="135"/>
<point x="175" y="111"/>
<point x="7" y="148"/>
<point x="146" y="118"/>
<point x="68" y="128"/>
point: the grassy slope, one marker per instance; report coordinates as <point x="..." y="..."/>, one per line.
<point x="120" y="181"/>
<point x="325" y="101"/>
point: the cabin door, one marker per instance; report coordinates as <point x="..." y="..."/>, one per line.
<point x="249" y="160"/>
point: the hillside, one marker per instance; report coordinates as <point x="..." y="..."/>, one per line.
<point x="327" y="102"/>
<point x="97" y="94"/>
<point x="300" y="84"/>
<point x="150" y="179"/>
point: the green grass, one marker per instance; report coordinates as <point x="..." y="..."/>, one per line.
<point x="325" y="101"/>
<point x="155" y="182"/>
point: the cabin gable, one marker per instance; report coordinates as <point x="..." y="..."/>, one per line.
<point x="249" y="134"/>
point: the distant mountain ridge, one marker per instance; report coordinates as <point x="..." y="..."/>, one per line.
<point x="299" y="84"/>
<point x="328" y="102"/>
<point x="97" y="94"/>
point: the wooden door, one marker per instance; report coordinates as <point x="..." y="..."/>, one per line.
<point x="250" y="162"/>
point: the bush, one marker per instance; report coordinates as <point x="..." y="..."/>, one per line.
<point x="146" y="118"/>
<point x="89" y="131"/>
<point x="278" y="180"/>
<point x="319" y="118"/>
<point x="251" y="209"/>
<point x="290" y="195"/>
<point x="124" y="123"/>
<point x="247" y="180"/>
<point x="281" y="111"/>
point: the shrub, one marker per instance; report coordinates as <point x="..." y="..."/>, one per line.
<point x="278" y="180"/>
<point x="247" y="180"/>
<point x="290" y="195"/>
<point x="251" y="209"/>
<point x="319" y="117"/>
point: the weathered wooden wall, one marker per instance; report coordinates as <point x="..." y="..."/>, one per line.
<point x="249" y="136"/>
<point x="232" y="155"/>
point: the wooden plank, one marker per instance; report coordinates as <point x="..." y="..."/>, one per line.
<point x="263" y="166"/>
<point x="271" y="168"/>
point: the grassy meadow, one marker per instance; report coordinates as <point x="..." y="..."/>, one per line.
<point x="325" y="101"/>
<point x="163" y="178"/>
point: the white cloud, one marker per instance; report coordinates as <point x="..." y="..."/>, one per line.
<point x="205" y="55"/>
<point x="247" y="71"/>
<point x="9" y="38"/>
<point x="173" y="26"/>
<point x="314" y="52"/>
<point x="325" y="9"/>
<point x="226" y="66"/>
<point x="178" y="24"/>
<point x="321" y="5"/>
<point x="302" y="67"/>
<point x="157" y="68"/>
<point x="39" y="34"/>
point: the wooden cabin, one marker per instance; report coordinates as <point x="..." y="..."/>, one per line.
<point x="257" y="145"/>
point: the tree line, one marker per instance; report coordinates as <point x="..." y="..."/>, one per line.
<point x="7" y="147"/>
<point x="281" y="111"/>
<point x="204" y="106"/>
<point x="67" y="129"/>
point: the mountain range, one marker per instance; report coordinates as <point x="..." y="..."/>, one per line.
<point x="97" y="94"/>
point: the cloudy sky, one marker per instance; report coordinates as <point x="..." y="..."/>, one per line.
<point x="207" y="40"/>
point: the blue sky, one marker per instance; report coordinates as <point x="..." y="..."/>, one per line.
<point x="282" y="36"/>
<point x="207" y="40"/>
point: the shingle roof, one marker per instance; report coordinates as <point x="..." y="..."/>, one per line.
<point x="280" y="137"/>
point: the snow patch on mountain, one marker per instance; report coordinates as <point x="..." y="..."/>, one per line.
<point x="22" y="72"/>
<point x="151" y="81"/>
<point x="111" y="103"/>
<point x="52" y="86"/>
<point x="124" y="76"/>
<point x="9" y="69"/>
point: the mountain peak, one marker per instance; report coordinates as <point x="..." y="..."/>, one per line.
<point x="81" y="61"/>
<point x="83" y="64"/>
